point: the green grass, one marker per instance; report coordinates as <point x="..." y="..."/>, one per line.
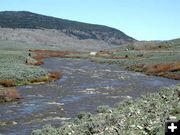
<point x="12" y="63"/>
<point x="145" y="116"/>
<point x="149" y="54"/>
<point x="13" y="55"/>
<point x="10" y="45"/>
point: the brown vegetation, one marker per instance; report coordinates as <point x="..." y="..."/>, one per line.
<point x="7" y="83"/>
<point x="35" y="63"/>
<point x="104" y="54"/>
<point x="36" y="57"/>
<point x="165" y="70"/>
<point x="109" y="55"/>
<point x="39" y="55"/>
<point x="9" y="94"/>
<point x="31" y="61"/>
<point x="54" y="75"/>
<point x="40" y="80"/>
<point x="162" y="68"/>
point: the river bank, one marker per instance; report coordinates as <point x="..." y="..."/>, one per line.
<point x="145" y="115"/>
<point x="150" y="62"/>
<point x="83" y="87"/>
<point x="88" y="81"/>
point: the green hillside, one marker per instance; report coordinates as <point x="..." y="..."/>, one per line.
<point x="23" y="19"/>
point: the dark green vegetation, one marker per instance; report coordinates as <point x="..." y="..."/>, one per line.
<point x="22" y="19"/>
<point x="145" y="116"/>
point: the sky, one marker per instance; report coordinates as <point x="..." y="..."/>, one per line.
<point x="140" y="19"/>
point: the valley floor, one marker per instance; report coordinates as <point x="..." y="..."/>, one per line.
<point x="19" y="66"/>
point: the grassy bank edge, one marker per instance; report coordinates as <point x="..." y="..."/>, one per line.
<point x="15" y="71"/>
<point x="145" y="115"/>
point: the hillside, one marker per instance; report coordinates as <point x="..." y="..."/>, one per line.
<point x="172" y="44"/>
<point x="49" y="39"/>
<point x="23" y="19"/>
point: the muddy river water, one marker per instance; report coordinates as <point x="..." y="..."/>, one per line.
<point x="84" y="86"/>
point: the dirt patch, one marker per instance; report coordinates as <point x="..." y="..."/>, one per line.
<point x="8" y="94"/>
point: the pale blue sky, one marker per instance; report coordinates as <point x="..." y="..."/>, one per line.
<point x="141" y="19"/>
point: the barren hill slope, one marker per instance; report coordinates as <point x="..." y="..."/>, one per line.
<point x="49" y="38"/>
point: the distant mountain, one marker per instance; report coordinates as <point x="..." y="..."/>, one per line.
<point x="23" y="19"/>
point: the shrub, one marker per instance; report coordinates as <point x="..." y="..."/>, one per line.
<point x="7" y="83"/>
<point x="55" y="75"/>
<point x="12" y="66"/>
<point x="103" y="109"/>
<point x="8" y="94"/>
<point x="145" y="115"/>
<point x="40" y="79"/>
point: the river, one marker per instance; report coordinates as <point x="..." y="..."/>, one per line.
<point x="84" y="86"/>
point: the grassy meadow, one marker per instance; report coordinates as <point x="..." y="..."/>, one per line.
<point x="145" y="115"/>
<point x="152" y="58"/>
<point x="13" y="65"/>
<point x="14" y="70"/>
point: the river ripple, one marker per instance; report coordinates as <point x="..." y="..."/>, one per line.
<point x="84" y="86"/>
